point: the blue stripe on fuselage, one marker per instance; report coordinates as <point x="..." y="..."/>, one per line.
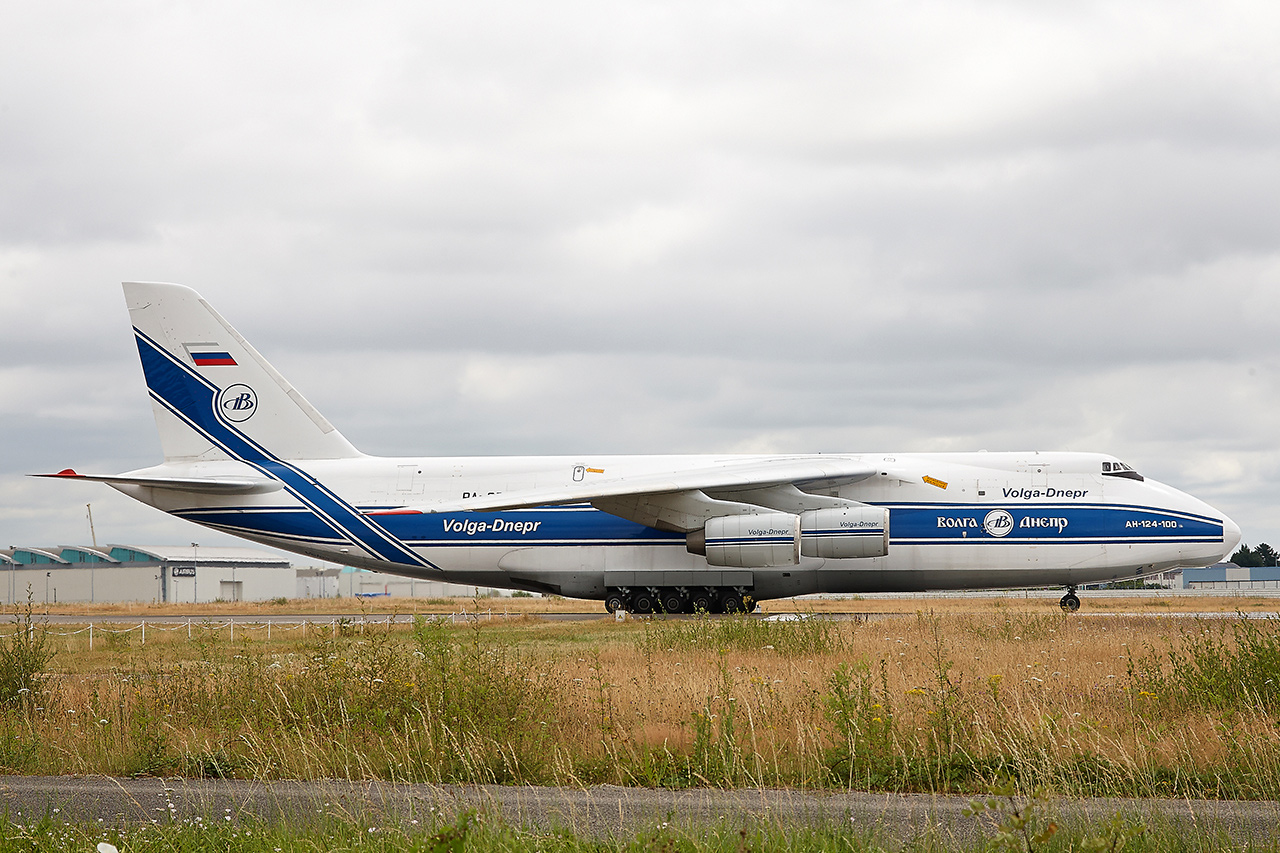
<point x="1041" y="523"/>
<point x="540" y="526"/>
<point x="555" y="526"/>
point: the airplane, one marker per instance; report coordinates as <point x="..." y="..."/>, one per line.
<point x="246" y="454"/>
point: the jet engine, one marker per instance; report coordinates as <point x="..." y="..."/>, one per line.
<point x="753" y="541"/>
<point x="840" y="533"/>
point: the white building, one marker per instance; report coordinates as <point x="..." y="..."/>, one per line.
<point x="187" y="574"/>
<point x="118" y="573"/>
<point x="1231" y="576"/>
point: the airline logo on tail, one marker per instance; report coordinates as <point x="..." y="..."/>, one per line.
<point x="237" y="403"/>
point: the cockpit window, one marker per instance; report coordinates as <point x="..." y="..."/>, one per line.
<point x="1119" y="469"/>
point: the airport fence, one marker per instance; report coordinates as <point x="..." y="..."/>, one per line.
<point x="334" y="625"/>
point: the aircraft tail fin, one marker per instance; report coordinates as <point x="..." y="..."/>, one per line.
<point x="213" y="395"/>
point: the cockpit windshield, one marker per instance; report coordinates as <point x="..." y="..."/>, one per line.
<point x="1119" y="469"/>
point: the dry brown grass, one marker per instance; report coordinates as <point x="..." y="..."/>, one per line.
<point x="1038" y="688"/>
<point x="950" y="701"/>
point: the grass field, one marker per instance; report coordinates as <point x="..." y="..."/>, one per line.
<point x="944" y="700"/>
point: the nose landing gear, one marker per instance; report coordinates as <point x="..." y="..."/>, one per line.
<point x="1070" y="603"/>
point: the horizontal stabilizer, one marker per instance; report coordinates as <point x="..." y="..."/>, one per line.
<point x="204" y="485"/>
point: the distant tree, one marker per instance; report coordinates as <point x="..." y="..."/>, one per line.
<point x="1246" y="557"/>
<point x="1266" y="556"/>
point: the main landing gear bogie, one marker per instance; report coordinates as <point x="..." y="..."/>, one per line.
<point x="1070" y="602"/>
<point x="643" y="600"/>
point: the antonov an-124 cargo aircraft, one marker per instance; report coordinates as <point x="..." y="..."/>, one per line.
<point x="245" y="453"/>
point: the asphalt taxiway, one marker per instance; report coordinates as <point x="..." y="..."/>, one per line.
<point x="598" y="811"/>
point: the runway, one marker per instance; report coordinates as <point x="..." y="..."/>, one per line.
<point x="597" y="812"/>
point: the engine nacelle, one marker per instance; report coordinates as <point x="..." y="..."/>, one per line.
<point x="841" y="533"/>
<point x="749" y="541"/>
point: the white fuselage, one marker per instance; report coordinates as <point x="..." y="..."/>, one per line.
<point x="956" y="521"/>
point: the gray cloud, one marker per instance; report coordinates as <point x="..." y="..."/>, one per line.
<point x="506" y="229"/>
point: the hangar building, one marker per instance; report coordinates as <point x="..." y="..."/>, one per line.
<point x="186" y="574"/>
<point x="118" y="573"/>
<point x="1231" y="576"/>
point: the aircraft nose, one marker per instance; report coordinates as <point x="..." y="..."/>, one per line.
<point x="1230" y="536"/>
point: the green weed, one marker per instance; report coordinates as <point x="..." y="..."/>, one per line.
<point x="864" y="739"/>
<point x="1223" y="667"/>
<point x="25" y="656"/>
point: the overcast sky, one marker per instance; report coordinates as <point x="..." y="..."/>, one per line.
<point x="521" y="228"/>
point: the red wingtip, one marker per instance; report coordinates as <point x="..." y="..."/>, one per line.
<point x="67" y="472"/>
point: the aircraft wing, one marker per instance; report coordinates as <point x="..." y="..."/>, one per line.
<point x="683" y="499"/>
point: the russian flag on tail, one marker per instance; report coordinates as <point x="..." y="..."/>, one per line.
<point x="210" y="359"/>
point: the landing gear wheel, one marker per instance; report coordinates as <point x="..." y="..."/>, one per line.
<point x="731" y="602"/>
<point x="642" y="602"/>
<point x="1069" y="603"/>
<point x="614" y="602"/>
<point x="702" y="601"/>
<point x="672" y="601"/>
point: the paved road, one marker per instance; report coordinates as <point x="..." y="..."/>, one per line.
<point x="598" y="811"/>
